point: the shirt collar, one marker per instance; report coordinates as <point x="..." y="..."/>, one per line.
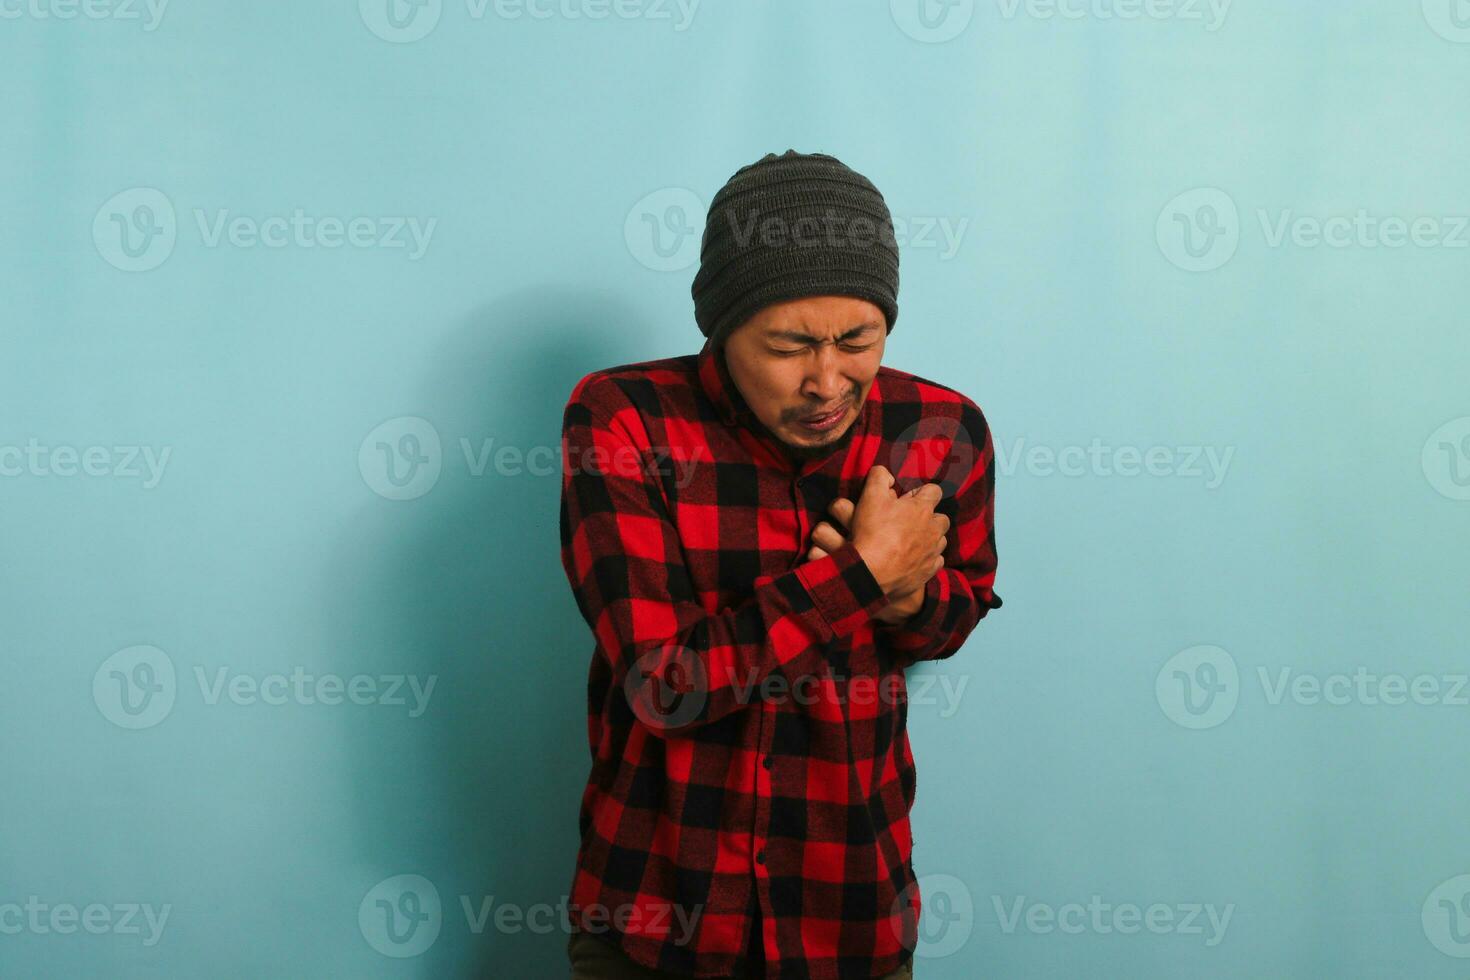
<point x="721" y="389"/>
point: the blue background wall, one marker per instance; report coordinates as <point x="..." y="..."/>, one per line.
<point x="1132" y="274"/>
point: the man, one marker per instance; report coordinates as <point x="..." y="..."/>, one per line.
<point x="761" y="538"/>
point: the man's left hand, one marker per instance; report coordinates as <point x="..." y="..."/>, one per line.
<point x="827" y="539"/>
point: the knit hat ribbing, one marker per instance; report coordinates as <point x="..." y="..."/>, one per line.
<point x="790" y="226"/>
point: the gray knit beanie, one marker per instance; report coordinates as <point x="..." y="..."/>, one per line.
<point x="788" y="226"/>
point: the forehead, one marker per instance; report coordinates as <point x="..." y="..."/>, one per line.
<point x="821" y="317"/>
<point x="798" y="332"/>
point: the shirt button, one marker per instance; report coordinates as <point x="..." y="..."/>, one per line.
<point x="760" y="856"/>
<point x="766" y="762"/>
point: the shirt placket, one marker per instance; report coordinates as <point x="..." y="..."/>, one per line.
<point x="766" y="770"/>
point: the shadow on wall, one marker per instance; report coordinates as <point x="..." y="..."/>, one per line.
<point x="479" y="794"/>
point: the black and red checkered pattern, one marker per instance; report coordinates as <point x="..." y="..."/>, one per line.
<point x="746" y="714"/>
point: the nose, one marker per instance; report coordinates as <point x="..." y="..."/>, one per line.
<point x="825" y="384"/>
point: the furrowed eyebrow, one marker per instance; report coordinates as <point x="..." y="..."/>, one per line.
<point x="802" y="338"/>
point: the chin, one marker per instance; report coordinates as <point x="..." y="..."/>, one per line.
<point x="819" y="443"/>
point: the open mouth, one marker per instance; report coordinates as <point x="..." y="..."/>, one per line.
<point x="820" y="422"/>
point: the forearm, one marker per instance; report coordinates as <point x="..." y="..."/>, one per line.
<point x="952" y="604"/>
<point x="716" y="660"/>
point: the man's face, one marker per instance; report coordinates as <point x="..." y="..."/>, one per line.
<point x="803" y="358"/>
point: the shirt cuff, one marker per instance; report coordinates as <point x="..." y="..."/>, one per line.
<point x="843" y="589"/>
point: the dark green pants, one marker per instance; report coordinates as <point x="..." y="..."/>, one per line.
<point x="594" y="959"/>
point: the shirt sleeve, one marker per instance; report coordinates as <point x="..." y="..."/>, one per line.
<point x="623" y="556"/>
<point x="960" y="594"/>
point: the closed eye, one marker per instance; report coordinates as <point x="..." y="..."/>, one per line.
<point x="850" y="348"/>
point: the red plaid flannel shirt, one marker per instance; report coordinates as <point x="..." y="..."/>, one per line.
<point x="746" y="713"/>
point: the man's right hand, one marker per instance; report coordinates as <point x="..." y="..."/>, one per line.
<point x="901" y="539"/>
